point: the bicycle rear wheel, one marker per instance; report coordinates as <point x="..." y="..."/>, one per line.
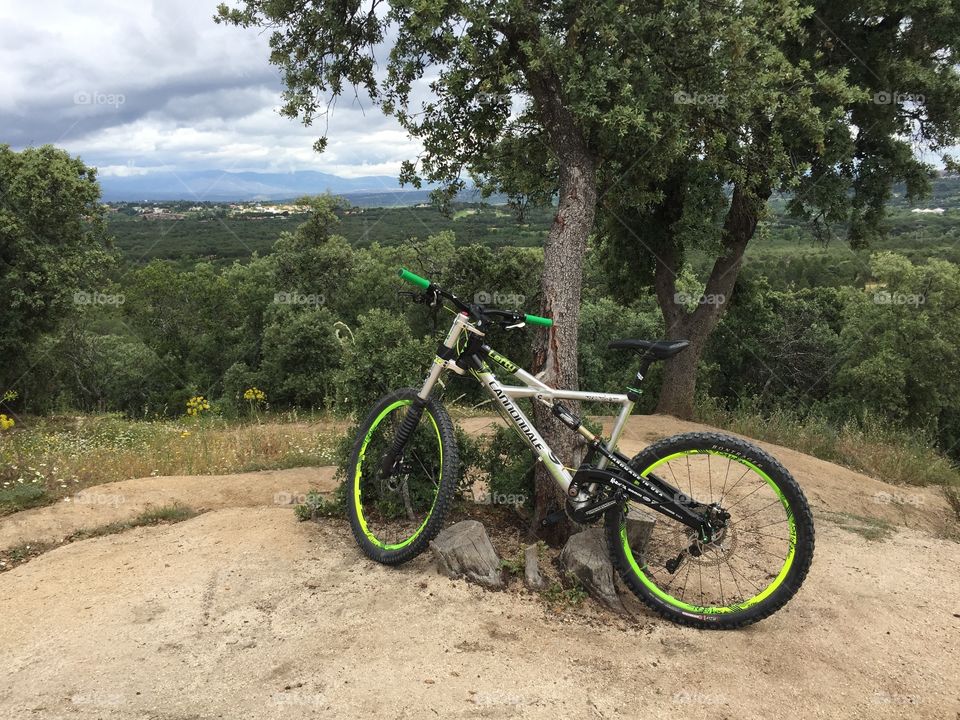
<point x="394" y="518"/>
<point x="753" y="566"/>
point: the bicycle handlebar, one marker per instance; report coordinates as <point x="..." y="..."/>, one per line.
<point x="537" y="320"/>
<point x="425" y="284"/>
<point x="414" y="279"/>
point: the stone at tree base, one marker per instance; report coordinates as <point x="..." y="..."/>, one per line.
<point x="464" y="550"/>
<point x="585" y="556"/>
<point x="531" y="568"/>
<point x="640" y="525"/>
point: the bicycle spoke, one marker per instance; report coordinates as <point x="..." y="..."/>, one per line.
<point x="775" y="502"/>
<point x="710" y="478"/>
<point x="745" y="473"/>
<point x="758" y="487"/>
<point x="754" y="532"/>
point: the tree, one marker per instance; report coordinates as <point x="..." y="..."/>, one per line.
<point x="515" y="83"/>
<point x="830" y="111"/>
<point x="899" y="357"/>
<point x="53" y="246"/>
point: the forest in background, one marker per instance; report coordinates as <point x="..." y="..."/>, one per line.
<point x="314" y="318"/>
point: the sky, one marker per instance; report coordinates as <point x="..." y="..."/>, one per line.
<point x="140" y="85"/>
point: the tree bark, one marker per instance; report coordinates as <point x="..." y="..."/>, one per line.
<point x="678" y="391"/>
<point x="555" y="348"/>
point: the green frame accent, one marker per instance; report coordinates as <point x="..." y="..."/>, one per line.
<point x="721" y="609"/>
<point x="507" y="364"/>
<point x="356" y="479"/>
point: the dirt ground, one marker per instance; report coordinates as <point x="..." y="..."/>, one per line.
<point x="244" y="613"/>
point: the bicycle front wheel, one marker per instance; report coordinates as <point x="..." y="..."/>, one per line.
<point x="750" y="569"/>
<point x="394" y="518"/>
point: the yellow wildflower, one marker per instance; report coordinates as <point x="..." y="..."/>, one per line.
<point x="197" y="405"/>
<point x="254" y="395"/>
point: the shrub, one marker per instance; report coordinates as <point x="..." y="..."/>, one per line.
<point x="300" y="351"/>
<point x="382" y="357"/>
<point x="509" y="465"/>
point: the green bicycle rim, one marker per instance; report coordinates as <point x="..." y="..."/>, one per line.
<point x="716" y="609"/>
<point x="356" y="480"/>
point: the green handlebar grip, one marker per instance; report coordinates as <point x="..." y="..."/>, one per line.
<point x="537" y="320"/>
<point x="413" y="278"/>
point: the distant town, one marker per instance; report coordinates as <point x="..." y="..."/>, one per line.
<point x="187" y="210"/>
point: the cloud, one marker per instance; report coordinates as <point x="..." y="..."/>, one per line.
<point x="135" y="86"/>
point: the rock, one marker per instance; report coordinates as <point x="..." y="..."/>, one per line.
<point x="640" y="525"/>
<point x="531" y="570"/>
<point x="585" y="556"/>
<point x="464" y="550"/>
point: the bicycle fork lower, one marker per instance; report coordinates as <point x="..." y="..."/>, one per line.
<point x="394" y="456"/>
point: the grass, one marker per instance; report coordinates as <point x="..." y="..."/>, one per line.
<point x="45" y="459"/>
<point x="953" y="498"/>
<point x="316" y="505"/>
<point x="515" y="564"/>
<point x="560" y="597"/>
<point x="873" y="447"/>
<point x="25" y="552"/>
<point x="866" y="527"/>
<point x="22" y="497"/>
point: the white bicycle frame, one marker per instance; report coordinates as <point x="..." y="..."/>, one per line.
<point x="532" y="388"/>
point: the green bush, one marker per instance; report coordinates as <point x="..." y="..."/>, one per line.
<point x="300" y="353"/>
<point x="20" y="496"/>
<point x="509" y="465"/>
<point x="383" y="356"/>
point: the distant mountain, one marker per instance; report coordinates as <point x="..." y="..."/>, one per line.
<point x="220" y="186"/>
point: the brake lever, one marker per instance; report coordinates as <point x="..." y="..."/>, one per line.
<point x="428" y="297"/>
<point x="431" y="298"/>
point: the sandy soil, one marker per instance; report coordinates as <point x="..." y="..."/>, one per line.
<point x="117" y="501"/>
<point x="244" y="613"/>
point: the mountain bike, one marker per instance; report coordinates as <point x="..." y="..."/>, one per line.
<point x="706" y="529"/>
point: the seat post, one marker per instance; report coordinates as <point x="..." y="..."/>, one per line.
<point x="645" y="362"/>
<point x="633" y="393"/>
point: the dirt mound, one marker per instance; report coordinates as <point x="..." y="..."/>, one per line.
<point x="120" y="501"/>
<point x="245" y="613"/>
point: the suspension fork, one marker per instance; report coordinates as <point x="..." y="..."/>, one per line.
<point x="446" y="354"/>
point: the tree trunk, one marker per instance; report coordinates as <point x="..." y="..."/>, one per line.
<point x="680" y="373"/>
<point x="555" y="348"/>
